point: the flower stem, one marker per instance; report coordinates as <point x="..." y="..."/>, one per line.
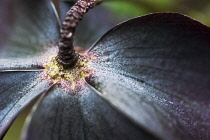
<point x="66" y="55"/>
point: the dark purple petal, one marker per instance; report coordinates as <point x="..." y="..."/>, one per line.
<point x="155" y="69"/>
<point x="6" y="20"/>
<point x="27" y="27"/>
<point x="83" y="115"/>
<point x="17" y="89"/>
<point x="21" y="64"/>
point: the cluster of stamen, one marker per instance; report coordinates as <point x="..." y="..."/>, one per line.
<point x="69" y="78"/>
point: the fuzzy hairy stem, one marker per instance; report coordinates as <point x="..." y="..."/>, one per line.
<point x="66" y="55"/>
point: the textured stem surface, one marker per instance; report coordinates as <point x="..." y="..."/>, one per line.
<point x="66" y="55"/>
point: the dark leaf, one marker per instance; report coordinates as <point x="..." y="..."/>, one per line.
<point x="27" y="27"/>
<point x="83" y="115"/>
<point x="17" y="89"/>
<point x="155" y="69"/>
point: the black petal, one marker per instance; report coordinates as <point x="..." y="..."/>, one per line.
<point x="21" y="64"/>
<point x="17" y="89"/>
<point x="27" y="27"/>
<point x="155" y="69"/>
<point x="84" y="115"/>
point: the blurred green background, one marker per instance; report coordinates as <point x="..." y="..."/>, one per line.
<point x="197" y="9"/>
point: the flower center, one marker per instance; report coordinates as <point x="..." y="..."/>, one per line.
<point x="68" y="78"/>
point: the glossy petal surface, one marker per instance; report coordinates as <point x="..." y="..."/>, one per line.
<point x="21" y="64"/>
<point x="17" y="89"/>
<point x="155" y="69"/>
<point x="83" y="115"/>
<point x="27" y="27"/>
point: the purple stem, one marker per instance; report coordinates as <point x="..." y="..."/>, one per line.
<point x="66" y="55"/>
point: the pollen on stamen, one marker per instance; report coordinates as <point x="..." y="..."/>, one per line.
<point x="69" y="79"/>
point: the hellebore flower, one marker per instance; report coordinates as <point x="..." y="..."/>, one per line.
<point x="147" y="78"/>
